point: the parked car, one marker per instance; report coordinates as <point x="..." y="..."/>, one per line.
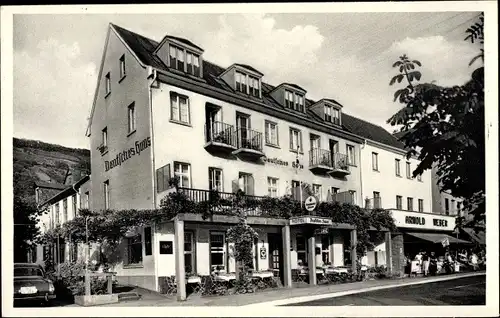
<point x="31" y="284"/>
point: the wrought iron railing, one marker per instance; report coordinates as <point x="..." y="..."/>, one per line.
<point x="340" y="161"/>
<point x="220" y="132"/>
<point x="320" y="157"/>
<point x="249" y="139"/>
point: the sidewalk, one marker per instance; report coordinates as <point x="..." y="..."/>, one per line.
<point x="278" y="295"/>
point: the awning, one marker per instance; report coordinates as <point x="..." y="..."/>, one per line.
<point x="478" y="237"/>
<point x="438" y="238"/>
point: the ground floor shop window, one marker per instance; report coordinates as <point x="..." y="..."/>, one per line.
<point x="301" y="250"/>
<point x="135" y="249"/>
<point x="189" y="253"/>
<point x="217" y="252"/>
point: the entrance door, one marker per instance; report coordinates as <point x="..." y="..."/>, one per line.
<point x="334" y="148"/>
<point x="276" y="254"/>
<point x="242" y="126"/>
<point x="213" y="121"/>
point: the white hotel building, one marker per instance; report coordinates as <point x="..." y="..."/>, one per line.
<point x="161" y="110"/>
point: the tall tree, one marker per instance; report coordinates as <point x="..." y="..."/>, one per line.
<point x="444" y="126"/>
<point x="25" y="227"/>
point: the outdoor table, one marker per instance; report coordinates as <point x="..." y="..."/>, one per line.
<point x="262" y="274"/>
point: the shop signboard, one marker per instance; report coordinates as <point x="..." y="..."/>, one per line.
<point x="424" y="221"/>
<point x="310" y="203"/>
<point x="307" y="219"/>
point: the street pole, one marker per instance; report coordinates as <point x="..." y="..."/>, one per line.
<point x="87" y="280"/>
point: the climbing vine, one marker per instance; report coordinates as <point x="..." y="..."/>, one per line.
<point x="110" y="226"/>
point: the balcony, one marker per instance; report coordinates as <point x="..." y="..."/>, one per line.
<point x="224" y="199"/>
<point x="339" y="165"/>
<point x="320" y="160"/>
<point x="343" y="197"/>
<point x="373" y="203"/>
<point x="248" y="143"/>
<point x="220" y="136"/>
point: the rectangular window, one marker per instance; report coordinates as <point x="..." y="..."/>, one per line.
<point x="398" y="167"/>
<point x="335" y="190"/>
<point x="399" y="202"/>
<point x="375" y="161"/>
<point x="189" y="252"/>
<point x="183" y="172"/>
<point x="420" y="205"/>
<point x="317" y="191"/>
<point x="295" y="140"/>
<point x="289" y="99"/>
<point x="106" y="194"/>
<point x="131" y="118"/>
<point x="410" y="204"/>
<point x="254" y="86"/>
<point x="180" y="59"/>
<point x="217" y="251"/>
<point x="179" y="108"/>
<point x="301" y="250"/>
<point x="173" y="56"/>
<point x="351" y="158"/>
<point x="162" y="178"/>
<point x="335" y="116"/>
<point x="73" y="252"/>
<point x="272" y="187"/>
<point x="447" y="206"/>
<point x="301" y="103"/>
<point x="134" y="248"/>
<point x="65" y="210"/>
<point x="271" y="131"/>
<point x="314" y="141"/>
<point x="452" y="207"/>
<point x="105" y="137"/>
<point x="459" y="208"/>
<point x="193" y="64"/>
<point x="408" y="170"/>
<point x="122" y="67"/>
<point x="241" y="82"/>
<point x="57" y="213"/>
<point x="148" y="241"/>
<point x="87" y="200"/>
<point x="75" y="207"/>
<point x="108" y="83"/>
<point x="215" y="179"/>
<point x="328" y="114"/>
<point x="247" y="184"/>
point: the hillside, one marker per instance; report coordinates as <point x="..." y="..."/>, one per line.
<point x="36" y="161"/>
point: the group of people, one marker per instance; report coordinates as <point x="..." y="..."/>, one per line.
<point x="429" y="264"/>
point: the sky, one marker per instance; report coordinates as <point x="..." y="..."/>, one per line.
<point x="344" y="56"/>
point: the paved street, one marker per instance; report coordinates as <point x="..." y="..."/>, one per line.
<point x="462" y="291"/>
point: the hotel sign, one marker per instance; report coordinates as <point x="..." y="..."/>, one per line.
<point x="126" y="154"/>
<point x="283" y="163"/>
<point x="310" y="220"/>
<point x="426" y="221"/>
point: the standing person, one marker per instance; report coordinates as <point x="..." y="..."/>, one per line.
<point x="425" y="263"/>
<point x="474" y="261"/>
<point x="433" y="264"/>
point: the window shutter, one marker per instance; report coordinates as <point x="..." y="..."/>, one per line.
<point x="166" y="176"/>
<point x="159" y="180"/>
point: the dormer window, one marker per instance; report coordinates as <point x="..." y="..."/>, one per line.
<point x="184" y="61"/>
<point x="253" y="86"/>
<point x="332" y="115"/>
<point x="294" y="101"/>
<point x="241" y="82"/>
<point x="193" y="64"/>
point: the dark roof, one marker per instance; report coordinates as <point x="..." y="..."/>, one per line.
<point x="370" y="131"/>
<point x="249" y="68"/>
<point x="48" y="185"/>
<point x="295" y="86"/>
<point x="66" y="191"/>
<point x="187" y="42"/>
<point x="144" y="48"/>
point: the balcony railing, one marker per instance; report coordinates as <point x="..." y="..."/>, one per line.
<point x="248" y="139"/>
<point x="320" y="159"/>
<point x="373" y="203"/>
<point x="340" y="163"/>
<point x="343" y="197"/>
<point x="219" y="133"/>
